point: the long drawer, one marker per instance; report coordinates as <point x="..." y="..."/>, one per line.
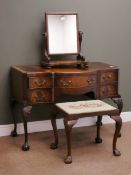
<point x="75" y="81"/>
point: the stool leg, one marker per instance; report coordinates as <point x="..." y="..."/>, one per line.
<point x="118" y="126"/>
<point x="68" y="128"/>
<point x="54" y="145"/>
<point x="119" y="102"/>
<point x="98" y="139"/>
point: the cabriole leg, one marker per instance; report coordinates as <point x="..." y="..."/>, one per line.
<point x="54" y="145"/>
<point x="118" y="126"/>
<point x="14" y="131"/>
<point x="119" y="102"/>
<point x="68" y="128"/>
<point x="26" y="110"/>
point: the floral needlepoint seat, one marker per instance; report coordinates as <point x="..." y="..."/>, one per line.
<point x="81" y="107"/>
<point x="72" y="111"/>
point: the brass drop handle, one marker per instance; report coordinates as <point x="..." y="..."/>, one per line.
<point x="40" y="82"/>
<point x="66" y="83"/>
<point x="90" y="81"/>
<point x="39" y="97"/>
<point x="107" y="77"/>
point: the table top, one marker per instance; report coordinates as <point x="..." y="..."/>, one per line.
<point x="93" y="66"/>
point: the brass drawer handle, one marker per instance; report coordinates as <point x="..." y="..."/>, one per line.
<point x="90" y="81"/>
<point x="65" y="83"/>
<point x="107" y="77"/>
<point x="39" y="99"/>
<point x="40" y="83"/>
<point x="39" y="96"/>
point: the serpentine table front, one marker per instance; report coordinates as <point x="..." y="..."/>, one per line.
<point x="33" y="85"/>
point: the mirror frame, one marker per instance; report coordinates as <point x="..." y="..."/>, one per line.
<point x="47" y="60"/>
<point x="47" y="31"/>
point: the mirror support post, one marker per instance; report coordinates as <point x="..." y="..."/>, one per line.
<point x="80" y="57"/>
<point x="80" y="34"/>
<point x="45" y="59"/>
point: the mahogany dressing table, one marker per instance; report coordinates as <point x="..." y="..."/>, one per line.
<point x="33" y="85"/>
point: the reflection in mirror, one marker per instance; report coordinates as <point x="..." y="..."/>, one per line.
<point x="62" y="34"/>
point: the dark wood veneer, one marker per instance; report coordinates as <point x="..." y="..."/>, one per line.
<point x="71" y="119"/>
<point x="32" y="85"/>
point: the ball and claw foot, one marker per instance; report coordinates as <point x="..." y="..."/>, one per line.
<point x="13" y="133"/>
<point x="25" y="147"/>
<point x="116" y="152"/>
<point x="68" y="159"/>
<point x="53" y="146"/>
<point x="98" y="140"/>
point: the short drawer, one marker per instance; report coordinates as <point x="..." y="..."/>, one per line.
<point x="108" y="76"/>
<point x="108" y="91"/>
<point x="40" y="82"/>
<point x="75" y="81"/>
<point x="40" y="96"/>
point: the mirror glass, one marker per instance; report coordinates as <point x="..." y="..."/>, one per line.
<point x="62" y="34"/>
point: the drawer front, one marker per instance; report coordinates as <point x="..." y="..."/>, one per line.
<point x="108" y="91"/>
<point x="40" y="96"/>
<point x="75" y="81"/>
<point x="108" y="76"/>
<point x="40" y="82"/>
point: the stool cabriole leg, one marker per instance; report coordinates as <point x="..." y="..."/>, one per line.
<point x="54" y="145"/>
<point x="119" y="102"/>
<point x="118" y="126"/>
<point x="68" y="128"/>
<point x="98" y="138"/>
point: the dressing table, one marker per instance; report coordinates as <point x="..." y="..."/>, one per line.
<point x="34" y="85"/>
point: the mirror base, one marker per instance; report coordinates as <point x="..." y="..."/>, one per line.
<point x="78" y="63"/>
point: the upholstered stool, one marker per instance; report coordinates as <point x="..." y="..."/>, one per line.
<point x="72" y="111"/>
